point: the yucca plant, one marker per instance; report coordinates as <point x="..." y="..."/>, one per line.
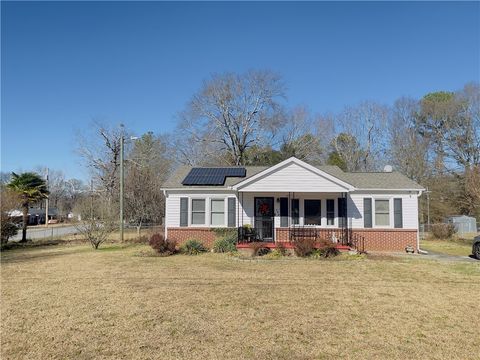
<point x="31" y="188"/>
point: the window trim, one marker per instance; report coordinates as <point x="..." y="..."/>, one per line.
<point x="204" y="211"/>
<point x="217" y="212"/>
<point x="374" y="213"/>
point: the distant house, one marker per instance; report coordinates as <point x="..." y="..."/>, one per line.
<point x="293" y="199"/>
<point x="36" y="216"/>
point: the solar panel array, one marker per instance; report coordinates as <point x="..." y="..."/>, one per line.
<point x="212" y="176"/>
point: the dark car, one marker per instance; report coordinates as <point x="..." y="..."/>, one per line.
<point x="476" y="247"/>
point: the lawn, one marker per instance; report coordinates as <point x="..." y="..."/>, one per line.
<point x="462" y="247"/>
<point x="73" y="302"/>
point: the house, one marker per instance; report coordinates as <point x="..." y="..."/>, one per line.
<point x="36" y="216"/>
<point x="371" y="211"/>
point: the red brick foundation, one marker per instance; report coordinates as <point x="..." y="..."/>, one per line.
<point x="375" y="239"/>
<point x="205" y="235"/>
<point x="388" y="239"/>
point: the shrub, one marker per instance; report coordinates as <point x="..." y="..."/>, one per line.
<point x="161" y="245"/>
<point x="274" y="254"/>
<point x="303" y="246"/>
<point x="281" y="249"/>
<point x="225" y="232"/>
<point x="443" y="231"/>
<point x="193" y="247"/>
<point x="325" y="252"/>
<point x="225" y="244"/>
<point x="259" y="249"/>
<point x="9" y="229"/>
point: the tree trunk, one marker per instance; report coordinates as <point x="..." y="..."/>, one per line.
<point x="25" y="222"/>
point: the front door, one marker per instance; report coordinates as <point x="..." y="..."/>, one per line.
<point x="264" y="218"/>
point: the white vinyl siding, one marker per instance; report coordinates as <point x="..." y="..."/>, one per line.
<point x="293" y="178"/>
<point x="409" y="208"/>
<point x="244" y="212"/>
<point x="172" y="203"/>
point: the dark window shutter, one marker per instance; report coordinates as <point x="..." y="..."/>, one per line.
<point x="398" y="213"/>
<point x="283" y="212"/>
<point x="231" y="212"/>
<point x="367" y="213"/>
<point x="183" y="211"/>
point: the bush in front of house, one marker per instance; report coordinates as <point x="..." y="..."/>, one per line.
<point x="304" y="247"/>
<point x="259" y="249"/>
<point x="193" y="247"/>
<point x="325" y="252"/>
<point x="443" y="231"/>
<point x="161" y="245"/>
<point x="225" y="244"/>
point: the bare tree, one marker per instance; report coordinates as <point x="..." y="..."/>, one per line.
<point x="362" y="127"/>
<point x="148" y="167"/>
<point x="300" y="137"/>
<point x="232" y="112"/>
<point x="408" y="150"/>
<point x="96" y="231"/>
<point x="100" y="150"/>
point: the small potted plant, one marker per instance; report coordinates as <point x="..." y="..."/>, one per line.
<point x="248" y="232"/>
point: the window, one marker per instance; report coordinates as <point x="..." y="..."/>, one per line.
<point x="382" y="213"/>
<point x="342" y="211"/>
<point x="198" y="211"/>
<point x="330" y="212"/>
<point x="313" y="214"/>
<point x="295" y="211"/>
<point x="217" y="212"/>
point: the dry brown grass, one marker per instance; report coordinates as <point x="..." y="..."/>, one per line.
<point x="71" y="302"/>
<point x="461" y="247"/>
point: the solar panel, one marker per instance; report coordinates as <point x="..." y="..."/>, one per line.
<point x="212" y="176"/>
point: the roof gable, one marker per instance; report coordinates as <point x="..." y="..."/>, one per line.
<point x="293" y="175"/>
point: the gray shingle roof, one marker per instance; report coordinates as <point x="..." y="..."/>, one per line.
<point x="360" y="180"/>
<point x="175" y="181"/>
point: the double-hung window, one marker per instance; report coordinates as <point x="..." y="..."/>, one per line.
<point x="198" y="211"/>
<point x="382" y="212"/>
<point x="217" y="212"/>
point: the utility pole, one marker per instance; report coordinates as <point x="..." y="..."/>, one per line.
<point x="46" y="200"/>
<point x="122" y="140"/>
<point x="122" y="176"/>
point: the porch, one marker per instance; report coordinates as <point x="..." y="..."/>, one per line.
<point x="341" y="238"/>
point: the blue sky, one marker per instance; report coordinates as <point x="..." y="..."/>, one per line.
<point x="67" y="63"/>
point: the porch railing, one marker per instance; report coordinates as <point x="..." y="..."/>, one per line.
<point x="346" y="237"/>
